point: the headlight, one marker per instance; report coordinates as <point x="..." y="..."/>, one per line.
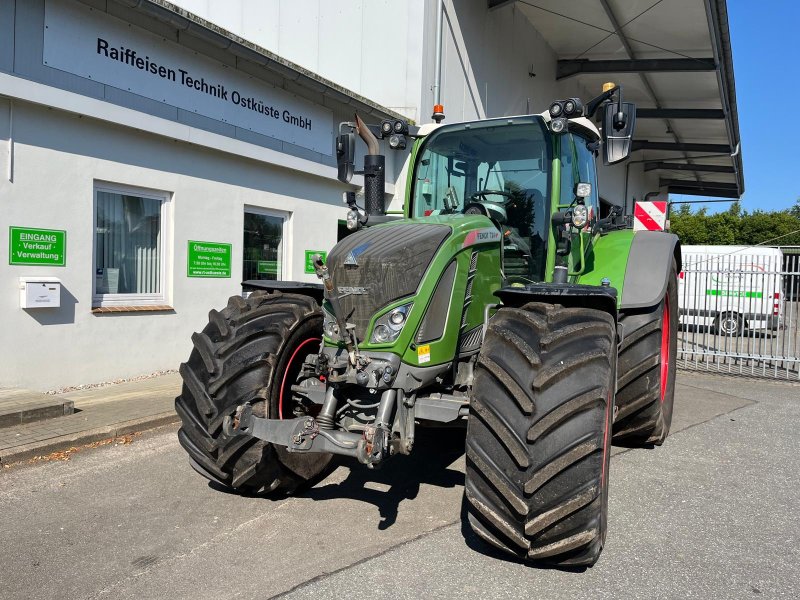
<point x="382" y="334"/>
<point x="397" y="142"/>
<point x="580" y="216"/>
<point x="352" y="220"/>
<point x="558" y="125"/>
<point x="388" y="326"/>
<point x="329" y="325"/>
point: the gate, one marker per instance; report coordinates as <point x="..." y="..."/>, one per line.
<point x="739" y="310"/>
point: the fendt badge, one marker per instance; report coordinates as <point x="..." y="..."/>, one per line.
<point x="351" y="291"/>
<point x="350" y="259"/>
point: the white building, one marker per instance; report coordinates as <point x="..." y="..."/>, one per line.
<point x="154" y="155"/>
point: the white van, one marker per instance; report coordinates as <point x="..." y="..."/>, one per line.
<point x="731" y="289"/>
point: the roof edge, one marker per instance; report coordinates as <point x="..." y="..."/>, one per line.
<point x="718" y="20"/>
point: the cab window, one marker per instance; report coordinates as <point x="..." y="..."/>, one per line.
<point x="569" y="169"/>
<point x="587" y="173"/>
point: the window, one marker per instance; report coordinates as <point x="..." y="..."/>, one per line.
<point x="494" y="170"/>
<point x="569" y="170"/>
<point x="587" y="172"/>
<point x="263" y="256"/>
<point x="458" y="163"/>
<point x="129" y="246"/>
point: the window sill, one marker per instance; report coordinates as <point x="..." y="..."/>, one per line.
<point x="99" y="310"/>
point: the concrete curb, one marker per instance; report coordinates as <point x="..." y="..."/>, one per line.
<point x="27" y="451"/>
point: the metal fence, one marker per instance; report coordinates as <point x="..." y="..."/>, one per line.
<point x="739" y="311"/>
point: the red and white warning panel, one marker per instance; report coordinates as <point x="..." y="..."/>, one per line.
<point x="650" y="216"/>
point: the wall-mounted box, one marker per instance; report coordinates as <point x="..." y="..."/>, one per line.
<point x="39" y="292"/>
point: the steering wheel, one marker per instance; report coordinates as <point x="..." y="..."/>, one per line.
<point x="480" y="196"/>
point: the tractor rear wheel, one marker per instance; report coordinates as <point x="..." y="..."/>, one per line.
<point x="252" y="351"/>
<point x="646" y="380"/>
<point x="538" y="433"/>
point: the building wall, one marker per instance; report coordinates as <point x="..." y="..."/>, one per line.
<point x="57" y="159"/>
<point x="69" y="132"/>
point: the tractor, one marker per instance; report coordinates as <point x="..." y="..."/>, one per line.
<point x="505" y="298"/>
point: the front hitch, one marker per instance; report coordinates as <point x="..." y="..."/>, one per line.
<point x="303" y="435"/>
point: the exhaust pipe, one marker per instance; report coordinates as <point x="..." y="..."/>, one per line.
<point x="374" y="172"/>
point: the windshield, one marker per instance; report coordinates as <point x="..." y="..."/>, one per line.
<point x="497" y="169"/>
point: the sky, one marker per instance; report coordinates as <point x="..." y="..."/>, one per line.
<point x="765" y="63"/>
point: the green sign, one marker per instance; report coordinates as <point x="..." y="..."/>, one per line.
<point x="734" y="293"/>
<point x="310" y="256"/>
<point x="208" y="259"/>
<point x="29" y="246"/>
<point x="268" y="267"/>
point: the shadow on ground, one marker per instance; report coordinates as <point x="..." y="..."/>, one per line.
<point x="434" y="451"/>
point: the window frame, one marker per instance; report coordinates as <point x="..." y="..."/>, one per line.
<point x="285" y="234"/>
<point x="145" y="299"/>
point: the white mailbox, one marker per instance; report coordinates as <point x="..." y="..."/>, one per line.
<point x="39" y="292"/>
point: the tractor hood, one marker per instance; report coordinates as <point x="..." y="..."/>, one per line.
<point x="376" y="266"/>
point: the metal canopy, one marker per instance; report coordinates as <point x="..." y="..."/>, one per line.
<point x="673" y="59"/>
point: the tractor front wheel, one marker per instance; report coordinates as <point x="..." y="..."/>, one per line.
<point x="538" y="433"/>
<point x="252" y="351"/>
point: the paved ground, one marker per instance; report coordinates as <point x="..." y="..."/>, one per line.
<point x="100" y="413"/>
<point x="711" y="514"/>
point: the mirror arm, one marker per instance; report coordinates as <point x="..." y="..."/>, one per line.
<point x="594" y="103"/>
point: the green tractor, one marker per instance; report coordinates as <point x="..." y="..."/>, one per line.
<point x="503" y="298"/>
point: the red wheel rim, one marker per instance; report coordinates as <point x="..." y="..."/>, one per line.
<point x="289" y="368"/>
<point x="665" y="338"/>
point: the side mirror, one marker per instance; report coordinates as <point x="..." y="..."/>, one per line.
<point x="619" y="121"/>
<point x="345" y="156"/>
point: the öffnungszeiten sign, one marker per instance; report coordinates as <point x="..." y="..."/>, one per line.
<point x="95" y="45"/>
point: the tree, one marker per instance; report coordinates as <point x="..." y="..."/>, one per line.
<point x="736" y="226"/>
<point x="795" y="210"/>
<point x="690" y="227"/>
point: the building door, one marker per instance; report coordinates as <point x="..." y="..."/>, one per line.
<point x="264" y="245"/>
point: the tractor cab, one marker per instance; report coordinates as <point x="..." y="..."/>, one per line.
<point x="532" y="176"/>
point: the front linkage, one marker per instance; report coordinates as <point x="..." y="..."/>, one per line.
<point x="305" y="434"/>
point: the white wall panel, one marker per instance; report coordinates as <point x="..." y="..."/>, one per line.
<point x="341" y="49"/>
<point x="298" y="37"/>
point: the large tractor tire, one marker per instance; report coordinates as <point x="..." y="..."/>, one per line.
<point x="252" y="351"/>
<point x="539" y="432"/>
<point x="646" y="371"/>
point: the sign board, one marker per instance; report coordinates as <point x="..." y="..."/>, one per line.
<point x="94" y="45"/>
<point x="30" y="246"/>
<point x="310" y="259"/>
<point x="208" y="259"/>
<point x="650" y="216"/>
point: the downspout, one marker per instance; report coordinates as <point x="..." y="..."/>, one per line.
<point x="10" y="140"/>
<point x="438" y="113"/>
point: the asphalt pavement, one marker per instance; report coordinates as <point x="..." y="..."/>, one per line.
<point x="711" y="514"/>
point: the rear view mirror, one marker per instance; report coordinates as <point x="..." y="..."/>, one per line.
<point x="345" y="156"/>
<point x="619" y="121"/>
